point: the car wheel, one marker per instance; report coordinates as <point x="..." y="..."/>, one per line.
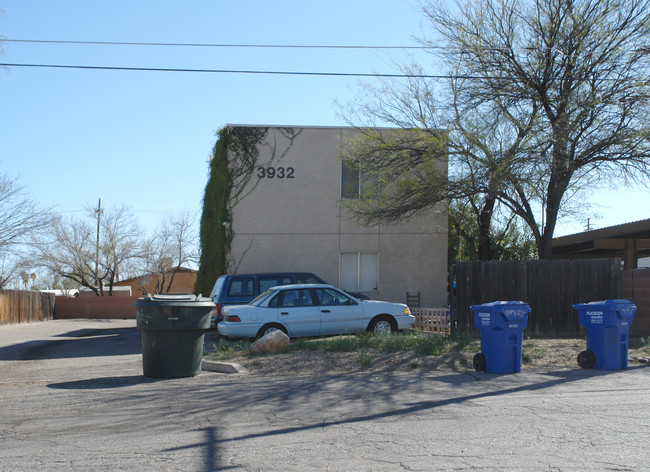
<point x="479" y="362"/>
<point x="586" y="359"/>
<point x="382" y="325"/>
<point x="269" y="328"/>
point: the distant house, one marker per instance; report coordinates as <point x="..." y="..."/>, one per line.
<point x="181" y="281"/>
<point x="117" y="292"/>
<point x="70" y="293"/>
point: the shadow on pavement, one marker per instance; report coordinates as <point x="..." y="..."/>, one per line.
<point x="557" y="378"/>
<point x="78" y="343"/>
<point x="106" y="382"/>
<point x="296" y="392"/>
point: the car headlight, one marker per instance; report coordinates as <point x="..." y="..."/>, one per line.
<point x="407" y="311"/>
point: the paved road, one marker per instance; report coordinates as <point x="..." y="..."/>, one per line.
<point x="72" y="397"/>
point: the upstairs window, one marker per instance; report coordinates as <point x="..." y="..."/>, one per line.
<point x="356" y="183"/>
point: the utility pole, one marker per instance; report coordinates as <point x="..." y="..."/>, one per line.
<point x="99" y="214"/>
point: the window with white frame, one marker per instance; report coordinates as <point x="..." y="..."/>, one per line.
<point x="359" y="271"/>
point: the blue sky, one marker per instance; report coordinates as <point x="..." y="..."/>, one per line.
<point x="144" y="138"/>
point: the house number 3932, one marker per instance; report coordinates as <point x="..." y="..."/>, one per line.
<point x="275" y="172"/>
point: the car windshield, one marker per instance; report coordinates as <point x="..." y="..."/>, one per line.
<point x="261" y="297"/>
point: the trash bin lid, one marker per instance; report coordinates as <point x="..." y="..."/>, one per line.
<point x="511" y="310"/>
<point x="605" y="304"/>
<point x="174" y="296"/>
<point x="500" y="305"/>
<point x="624" y="308"/>
<point x="174" y="299"/>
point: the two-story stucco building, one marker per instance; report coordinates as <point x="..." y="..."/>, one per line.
<point x="292" y="217"/>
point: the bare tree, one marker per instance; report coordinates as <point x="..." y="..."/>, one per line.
<point x="120" y="243"/>
<point x="69" y="249"/>
<point x="173" y="247"/>
<point x="20" y="218"/>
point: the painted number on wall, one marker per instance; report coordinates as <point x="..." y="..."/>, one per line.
<point x="275" y="172"/>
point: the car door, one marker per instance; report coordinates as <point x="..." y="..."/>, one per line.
<point x="339" y="313"/>
<point x="297" y="311"/>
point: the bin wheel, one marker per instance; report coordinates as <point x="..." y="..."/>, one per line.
<point x="479" y="362"/>
<point x="586" y="359"/>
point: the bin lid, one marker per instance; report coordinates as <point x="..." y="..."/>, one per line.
<point x="500" y="305"/>
<point x="174" y="299"/>
<point x="511" y="310"/>
<point x="604" y="304"/>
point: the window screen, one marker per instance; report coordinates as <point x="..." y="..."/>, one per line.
<point x="359" y="271"/>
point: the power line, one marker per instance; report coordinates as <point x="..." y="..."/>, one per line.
<point x="642" y="50"/>
<point x="275" y="72"/>
<point x="228" y="71"/>
<point x="213" y="45"/>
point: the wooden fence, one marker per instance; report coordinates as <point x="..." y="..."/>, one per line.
<point x="549" y="287"/>
<point x="636" y="287"/>
<point x="21" y="306"/>
<point x="432" y="320"/>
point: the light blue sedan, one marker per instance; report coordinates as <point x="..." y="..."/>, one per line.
<point x="312" y="310"/>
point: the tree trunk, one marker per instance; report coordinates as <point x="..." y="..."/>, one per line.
<point x="484" y="226"/>
<point x="557" y="186"/>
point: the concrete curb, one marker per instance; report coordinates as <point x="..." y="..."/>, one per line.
<point x="223" y="367"/>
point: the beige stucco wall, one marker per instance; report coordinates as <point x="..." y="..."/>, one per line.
<point x="298" y="224"/>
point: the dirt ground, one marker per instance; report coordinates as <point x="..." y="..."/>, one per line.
<point x="536" y="353"/>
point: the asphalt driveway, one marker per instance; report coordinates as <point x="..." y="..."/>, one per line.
<point x="72" y="397"/>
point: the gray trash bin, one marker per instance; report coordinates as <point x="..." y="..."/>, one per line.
<point x="172" y="327"/>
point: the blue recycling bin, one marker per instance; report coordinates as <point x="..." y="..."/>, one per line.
<point x="608" y="326"/>
<point x="502" y="326"/>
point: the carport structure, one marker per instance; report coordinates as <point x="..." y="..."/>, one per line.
<point x="629" y="241"/>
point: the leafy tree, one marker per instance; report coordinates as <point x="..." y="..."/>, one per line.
<point x="544" y="98"/>
<point x="482" y="144"/>
<point x="575" y="73"/>
<point x="507" y="240"/>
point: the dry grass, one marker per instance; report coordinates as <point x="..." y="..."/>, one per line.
<point x="364" y="357"/>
